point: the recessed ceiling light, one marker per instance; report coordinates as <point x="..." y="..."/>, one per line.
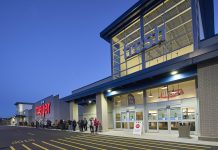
<point x="174" y="72"/>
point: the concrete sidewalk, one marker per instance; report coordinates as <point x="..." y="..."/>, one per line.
<point x="160" y="136"/>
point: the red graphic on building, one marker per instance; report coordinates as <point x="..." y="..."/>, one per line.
<point x="43" y="109"/>
<point x="172" y="93"/>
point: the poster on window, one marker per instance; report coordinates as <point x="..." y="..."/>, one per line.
<point x="131" y="99"/>
<point x="137" y="128"/>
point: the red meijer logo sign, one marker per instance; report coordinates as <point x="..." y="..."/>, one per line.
<point x="43" y="109"/>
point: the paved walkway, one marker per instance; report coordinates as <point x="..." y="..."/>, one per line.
<point x="161" y="137"/>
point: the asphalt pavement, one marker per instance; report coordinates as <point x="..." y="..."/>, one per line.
<point x="22" y="138"/>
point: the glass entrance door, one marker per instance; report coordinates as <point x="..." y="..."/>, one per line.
<point x="164" y="119"/>
<point x="128" y="119"/>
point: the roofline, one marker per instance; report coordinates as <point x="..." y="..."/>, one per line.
<point x="132" y="13"/>
<point x="28" y="103"/>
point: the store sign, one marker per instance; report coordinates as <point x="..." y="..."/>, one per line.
<point x="137" y="128"/>
<point x="171" y="94"/>
<point x="150" y="39"/>
<point x="43" y="109"/>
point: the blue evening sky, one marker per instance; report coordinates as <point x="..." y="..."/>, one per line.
<point x="52" y="47"/>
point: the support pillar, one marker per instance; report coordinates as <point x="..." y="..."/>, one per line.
<point x="102" y="110"/>
<point x="74" y="114"/>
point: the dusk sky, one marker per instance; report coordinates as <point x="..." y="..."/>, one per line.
<point x="52" y="47"/>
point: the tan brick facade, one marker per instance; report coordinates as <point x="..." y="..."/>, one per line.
<point x="208" y="99"/>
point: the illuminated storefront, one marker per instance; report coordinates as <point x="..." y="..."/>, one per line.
<point x="164" y="69"/>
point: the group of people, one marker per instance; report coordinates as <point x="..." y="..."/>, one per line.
<point x="83" y="125"/>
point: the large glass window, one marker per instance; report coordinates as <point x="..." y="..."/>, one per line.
<point x="121" y="65"/>
<point x="130" y="99"/>
<point x="176" y="17"/>
<point x="207" y="13"/>
<point x="174" y="91"/>
<point x="166" y="33"/>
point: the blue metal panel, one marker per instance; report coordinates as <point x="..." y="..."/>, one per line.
<point x="155" y="82"/>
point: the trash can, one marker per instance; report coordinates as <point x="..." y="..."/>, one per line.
<point x="184" y="130"/>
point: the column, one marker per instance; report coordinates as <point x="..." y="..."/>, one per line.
<point x="102" y="110"/>
<point x="145" y="114"/>
<point x="208" y="99"/>
<point x="74" y="114"/>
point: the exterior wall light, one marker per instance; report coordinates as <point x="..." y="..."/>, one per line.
<point x="90" y="102"/>
<point x="164" y="87"/>
<point x="109" y="90"/>
<point x="174" y="72"/>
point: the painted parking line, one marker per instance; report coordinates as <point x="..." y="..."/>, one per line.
<point x="54" y="145"/>
<point x="97" y="144"/>
<point x="114" y="143"/>
<point x="39" y="146"/>
<point x="26" y="147"/>
<point x="176" y="145"/>
<point x="81" y="144"/>
<point x="12" y="148"/>
<point x="67" y="144"/>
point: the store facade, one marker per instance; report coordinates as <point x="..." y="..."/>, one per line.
<point x="50" y="108"/>
<point x="164" y="70"/>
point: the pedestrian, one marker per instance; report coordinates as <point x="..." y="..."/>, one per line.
<point x="79" y="124"/>
<point x="96" y="123"/>
<point x="91" y="125"/>
<point x="74" y="125"/>
<point x="85" y="124"/>
<point x="37" y="124"/>
<point x="82" y="125"/>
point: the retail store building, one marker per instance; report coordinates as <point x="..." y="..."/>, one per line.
<point x="49" y="108"/>
<point x="164" y="64"/>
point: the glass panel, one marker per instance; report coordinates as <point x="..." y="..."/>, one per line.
<point x="192" y="125"/>
<point x="118" y="117"/>
<point x="175" y="113"/>
<point x="188" y="113"/>
<point x="123" y="117"/>
<point x="131" y="116"/>
<point x="152" y="125"/>
<point x="118" y="125"/>
<point x="139" y="115"/>
<point x="176" y="91"/>
<point x="163" y="125"/>
<point x="121" y="65"/>
<point x="131" y="125"/>
<point x="152" y="115"/>
<point x="129" y="99"/>
<point x="162" y="114"/>
<point x="124" y="125"/>
<point x="174" y="125"/>
<point x="168" y="32"/>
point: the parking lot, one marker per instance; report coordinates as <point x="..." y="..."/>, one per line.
<point x="42" y="139"/>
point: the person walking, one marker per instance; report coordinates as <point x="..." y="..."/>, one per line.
<point x="74" y="125"/>
<point x="91" y="125"/>
<point x="79" y="124"/>
<point x="82" y="125"/>
<point x="85" y="124"/>
<point x="96" y="123"/>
